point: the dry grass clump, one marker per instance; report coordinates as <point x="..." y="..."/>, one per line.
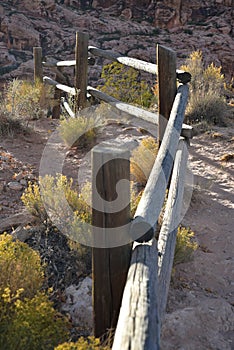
<point x="206" y="101"/>
<point x="79" y="132"/>
<point x="142" y="160"/>
<point x="22" y="101"/>
<point x="185" y="245"/>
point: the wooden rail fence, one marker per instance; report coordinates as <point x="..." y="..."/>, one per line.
<point x="131" y="282"/>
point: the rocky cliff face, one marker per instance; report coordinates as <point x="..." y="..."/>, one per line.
<point x="130" y="27"/>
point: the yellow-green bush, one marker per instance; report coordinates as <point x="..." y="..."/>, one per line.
<point x="25" y="99"/>
<point x="54" y="191"/>
<point x="124" y="84"/>
<point x="78" y="132"/>
<point x="34" y="325"/>
<point x="142" y="160"/>
<point x="28" y="320"/>
<point x="90" y="343"/>
<point x="185" y="245"/>
<point x="20" y="267"/>
<point x="206" y="101"/>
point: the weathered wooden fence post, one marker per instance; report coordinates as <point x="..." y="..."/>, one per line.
<point x="166" y="63"/>
<point x="81" y="69"/>
<point x="38" y="69"/>
<point x="110" y="265"/>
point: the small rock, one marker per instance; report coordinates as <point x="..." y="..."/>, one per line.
<point x="23" y="182"/>
<point x="14" y="185"/>
<point x="79" y="303"/>
<point x="18" y="177"/>
<point x="21" y="234"/>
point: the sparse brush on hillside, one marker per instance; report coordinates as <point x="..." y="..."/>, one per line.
<point x="142" y="160"/>
<point x="206" y="102"/>
<point x="124" y="83"/>
<point x="78" y="132"/>
<point x="22" y="101"/>
<point x="28" y="319"/>
<point x="185" y="245"/>
<point x="55" y="192"/>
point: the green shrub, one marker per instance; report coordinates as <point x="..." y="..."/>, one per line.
<point x="142" y="160"/>
<point x="78" y="132"/>
<point x="30" y="324"/>
<point x="20" y="102"/>
<point x="20" y="267"/>
<point x="206" y="101"/>
<point x="28" y="320"/>
<point x="54" y="190"/>
<point x="124" y="84"/>
<point x="185" y="245"/>
<point x="90" y="343"/>
<point x="26" y="100"/>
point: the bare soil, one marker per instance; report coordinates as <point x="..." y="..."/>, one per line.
<point x="201" y="299"/>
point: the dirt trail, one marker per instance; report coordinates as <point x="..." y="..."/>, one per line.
<point x="200" y="306"/>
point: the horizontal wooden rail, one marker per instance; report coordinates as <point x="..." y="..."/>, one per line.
<point x="183" y="77"/>
<point x="150" y="205"/>
<point x="187" y="130"/>
<point x="91" y="62"/>
<point x="171" y="220"/>
<point x="59" y="86"/>
<point x="138" y="323"/>
<point x="67" y="107"/>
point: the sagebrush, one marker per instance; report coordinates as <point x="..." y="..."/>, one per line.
<point x="206" y="101"/>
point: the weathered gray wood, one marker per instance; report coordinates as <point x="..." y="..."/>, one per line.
<point x="138" y="324"/>
<point x="68" y="63"/>
<point x="67" y="108"/>
<point x="62" y="87"/>
<point x="152" y="200"/>
<point x="110" y="265"/>
<point x="124" y="107"/>
<point x="38" y="69"/>
<point x="187" y="130"/>
<point x="171" y="220"/>
<point x="183" y="77"/>
<point x="81" y="69"/>
<point x="166" y="60"/>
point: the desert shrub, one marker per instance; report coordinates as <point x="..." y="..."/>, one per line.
<point x="54" y="191"/>
<point x="90" y="343"/>
<point x="206" y="101"/>
<point x="142" y="160"/>
<point x="31" y="323"/>
<point x="28" y="320"/>
<point x="25" y="99"/>
<point x="78" y="132"/>
<point x="185" y="245"/>
<point x="20" y="102"/>
<point x="8" y="125"/>
<point x="20" y="267"/>
<point x="124" y="84"/>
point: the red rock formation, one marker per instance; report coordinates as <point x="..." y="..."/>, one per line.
<point x="124" y="26"/>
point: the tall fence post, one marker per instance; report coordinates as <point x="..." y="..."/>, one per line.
<point x="38" y="69"/>
<point x="110" y="265"/>
<point x="166" y="63"/>
<point x="81" y="69"/>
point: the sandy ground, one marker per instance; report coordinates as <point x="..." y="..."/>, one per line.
<point x="200" y="305"/>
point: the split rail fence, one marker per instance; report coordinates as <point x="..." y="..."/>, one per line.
<point x="131" y="282"/>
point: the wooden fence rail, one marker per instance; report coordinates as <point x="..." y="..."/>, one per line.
<point x="147" y="274"/>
